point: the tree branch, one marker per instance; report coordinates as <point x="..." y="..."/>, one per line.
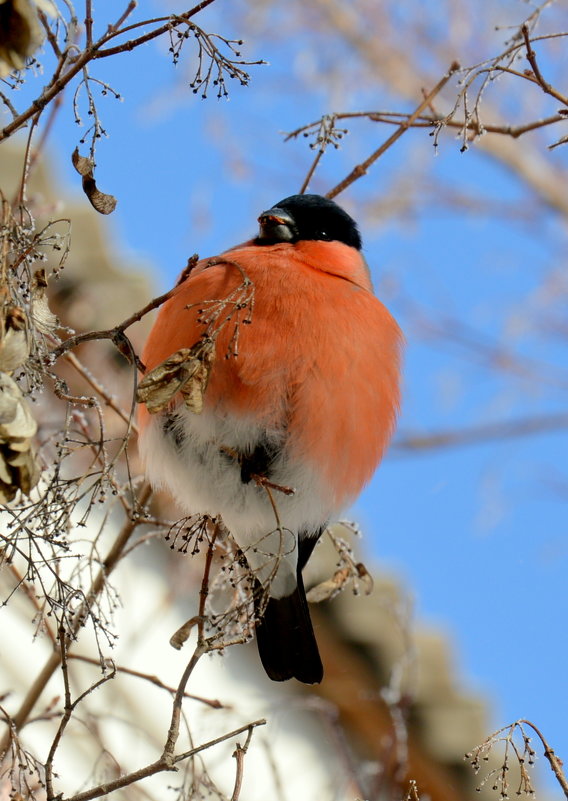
<point x="406" y="444"/>
<point x="115" y="334"/>
<point x="362" y="168"/>
<point x="531" y="58"/>
<point x="200" y="649"/>
<point x="554" y="761"/>
<point x="109" y="563"/>
<point x="214" y="704"/>
<point x="147" y="37"/>
<point x="158" y="766"/>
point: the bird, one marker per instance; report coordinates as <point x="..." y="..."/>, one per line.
<point x="271" y="391"/>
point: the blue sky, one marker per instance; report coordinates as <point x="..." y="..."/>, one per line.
<point x="477" y="534"/>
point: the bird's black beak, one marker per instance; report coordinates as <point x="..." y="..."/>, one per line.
<point x="276" y="225"/>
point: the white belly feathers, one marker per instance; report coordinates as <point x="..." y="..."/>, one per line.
<point x="189" y="455"/>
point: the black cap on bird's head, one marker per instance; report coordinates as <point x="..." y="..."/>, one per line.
<point x="304" y="217"/>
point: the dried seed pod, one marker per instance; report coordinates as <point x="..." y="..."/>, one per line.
<point x="193" y="390"/>
<point x="102" y="202"/>
<point x="159" y="386"/>
<point x="18" y="466"/>
<point x="43" y="317"/>
<point x="186" y="371"/>
<point x="14" y="340"/>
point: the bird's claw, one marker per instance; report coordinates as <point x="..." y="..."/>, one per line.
<point x="263" y="481"/>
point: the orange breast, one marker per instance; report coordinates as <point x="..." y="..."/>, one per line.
<point x="320" y="357"/>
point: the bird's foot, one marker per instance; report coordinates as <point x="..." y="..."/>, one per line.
<point x="263" y="481"/>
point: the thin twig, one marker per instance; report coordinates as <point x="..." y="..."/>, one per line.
<point x="95" y="384"/>
<point x="362" y="168"/>
<point x="48" y="94"/>
<point x="96" y="50"/>
<point x="311" y="171"/>
<point x="508" y="429"/>
<point x="115" y="334"/>
<point x="65" y="718"/>
<point x="216" y="741"/>
<point x="51" y="38"/>
<point x="430" y="121"/>
<point x="239" y="754"/>
<point x="109" y="563"/>
<point x="88" y="23"/>
<point x="31" y="594"/>
<point x="200" y="649"/>
<point x="12" y="109"/>
<point x="47" y="128"/>
<point x="214" y="704"/>
<point x="531" y="58"/>
<point x="123" y="17"/>
<point x="158" y="766"/>
<point x="20" y="198"/>
<point x="555" y="763"/>
<point x="147" y="37"/>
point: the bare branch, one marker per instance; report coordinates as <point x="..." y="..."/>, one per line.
<point x="524" y="755"/>
<point x="200" y="649"/>
<point x="68" y="709"/>
<point x="531" y="57"/>
<point x="114" y="28"/>
<point x="214" y="704"/>
<point x="107" y="566"/>
<point x="159" y="766"/>
<point x="147" y="37"/>
<point x="556" y="764"/>
<point x="88" y="23"/>
<point x="406" y="444"/>
<point x="361" y="169"/>
<point x="115" y="334"/>
<point x="239" y="754"/>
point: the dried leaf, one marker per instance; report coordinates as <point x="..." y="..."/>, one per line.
<point x="10" y="395"/>
<point x="181" y="636"/>
<point x="193" y="390"/>
<point x="18" y="466"/>
<point x="82" y="164"/>
<point x="25" y="472"/>
<point x="103" y="203"/>
<point x="5" y="475"/>
<point x="365" y="577"/>
<point x="20" y="34"/>
<point x="15" y="459"/>
<point x="23" y="424"/>
<point x="7" y="492"/>
<point x="100" y="201"/>
<point x="186" y="371"/>
<point x="14" y="341"/>
<point x="44" y="318"/>
<point x="330" y="587"/>
<point x="159" y="386"/>
<point x="20" y="444"/>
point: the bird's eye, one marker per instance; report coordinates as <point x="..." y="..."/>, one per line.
<point x="324" y="235"/>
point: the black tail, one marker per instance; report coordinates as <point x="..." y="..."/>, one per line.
<point x="286" y="640"/>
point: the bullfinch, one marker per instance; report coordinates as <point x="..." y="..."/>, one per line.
<point x="271" y="391"/>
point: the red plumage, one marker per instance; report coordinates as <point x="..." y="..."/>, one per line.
<point x="316" y="370"/>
